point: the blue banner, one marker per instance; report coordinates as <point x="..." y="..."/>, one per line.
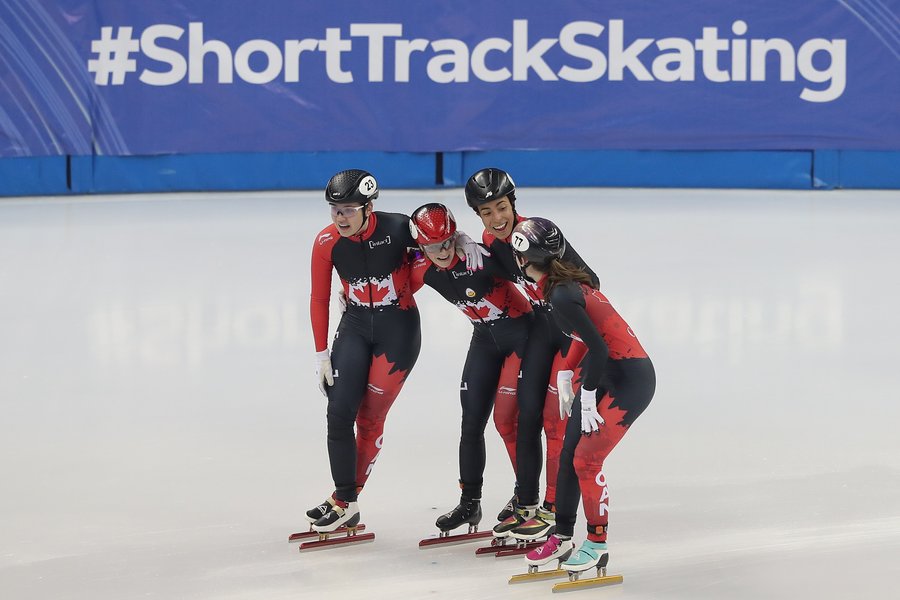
<point x="121" y="78"/>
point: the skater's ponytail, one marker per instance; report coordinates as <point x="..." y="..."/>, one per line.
<point x="560" y="271"/>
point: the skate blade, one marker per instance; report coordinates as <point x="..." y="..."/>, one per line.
<point x="450" y="540"/>
<point x="346" y="540"/>
<point x="496" y="545"/>
<point x="518" y="550"/>
<point x="538" y="575"/>
<point x="579" y="584"/>
<point x="307" y="535"/>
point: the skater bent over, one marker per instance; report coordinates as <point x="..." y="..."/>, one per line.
<point x="618" y="382"/>
<point x="501" y="318"/>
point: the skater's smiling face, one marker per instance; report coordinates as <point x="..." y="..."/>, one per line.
<point x="349" y="217"/>
<point x="498" y="217"/>
<point x="441" y="254"/>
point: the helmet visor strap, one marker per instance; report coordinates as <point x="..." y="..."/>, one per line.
<point x="346" y="212"/>
<point x="440" y="246"/>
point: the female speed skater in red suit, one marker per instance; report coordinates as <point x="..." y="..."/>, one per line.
<point x="617" y="384"/>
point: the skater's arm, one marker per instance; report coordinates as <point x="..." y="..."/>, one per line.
<point x="320" y="290"/>
<point x="569" y="307"/>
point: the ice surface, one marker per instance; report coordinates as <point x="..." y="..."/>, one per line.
<point x="161" y="431"/>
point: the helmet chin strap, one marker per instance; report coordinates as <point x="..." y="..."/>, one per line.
<point x="365" y="220"/>
<point x="522" y="268"/>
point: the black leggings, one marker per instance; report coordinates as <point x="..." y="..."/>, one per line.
<point x="374" y="350"/>
<point x="491" y="370"/>
<point x="544" y="340"/>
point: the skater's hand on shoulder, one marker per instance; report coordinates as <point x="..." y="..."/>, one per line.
<point x="469" y="250"/>
<point x="566" y="393"/>
<point x="323" y="371"/>
<point x="590" y="418"/>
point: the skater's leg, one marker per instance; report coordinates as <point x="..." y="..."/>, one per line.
<point x="350" y="358"/>
<point x="554" y="430"/>
<point x="634" y="387"/>
<point x="481" y="374"/>
<point x="568" y="491"/>
<point x="506" y="408"/>
<point x="536" y="365"/>
<point x="394" y="355"/>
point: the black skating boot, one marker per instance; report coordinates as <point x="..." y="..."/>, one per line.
<point x="317" y="512"/>
<point x="508" y="510"/>
<point x="467" y="512"/>
<point x="342" y="514"/>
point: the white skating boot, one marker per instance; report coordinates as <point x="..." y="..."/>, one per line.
<point x="590" y="555"/>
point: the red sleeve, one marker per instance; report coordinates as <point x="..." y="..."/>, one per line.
<point x="417" y="273"/>
<point x="320" y="288"/>
<point x="577" y="350"/>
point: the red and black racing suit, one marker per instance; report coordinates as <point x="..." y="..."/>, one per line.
<point x="618" y="367"/>
<point x="377" y="340"/>
<point x="501" y="318"/>
<point x="545" y="354"/>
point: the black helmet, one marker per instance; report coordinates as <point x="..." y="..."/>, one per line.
<point x="489" y="184"/>
<point x="538" y="240"/>
<point x="353" y="185"/>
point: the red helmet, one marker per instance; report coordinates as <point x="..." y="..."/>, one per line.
<point x="432" y="224"/>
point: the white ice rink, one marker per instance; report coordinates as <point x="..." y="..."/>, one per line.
<point x="161" y="433"/>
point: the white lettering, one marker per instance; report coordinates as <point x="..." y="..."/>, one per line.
<point x="525" y="58"/>
<point x="621" y="58"/>
<point x="836" y="73"/>
<point x="292" y="51"/>
<point x="197" y="51"/>
<point x="681" y="60"/>
<point x="333" y="45"/>
<point x="584" y="55"/>
<point x="164" y="55"/>
<point x="242" y="61"/>
<point x="710" y="46"/>
<point x="457" y="58"/>
<point x="479" y="64"/>
<point x="571" y="47"/>
<point x="376" y="34"/>
<point x="403" y="49"/>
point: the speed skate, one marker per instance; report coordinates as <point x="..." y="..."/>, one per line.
<point x="554" y="550"/>
<point x="502" y="548"/>
<point x="468" y="512"/>
<point x="576" y="582"/>
<point x="339" y="537"/>
<point x="445" y="539"/>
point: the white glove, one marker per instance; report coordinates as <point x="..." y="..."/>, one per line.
<point x="323" y="371"/>
<point x="342" y="301"/>
<point x="566" y="393"/>
<point x="590" y="418"/>
<point x="467" y="249"/>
